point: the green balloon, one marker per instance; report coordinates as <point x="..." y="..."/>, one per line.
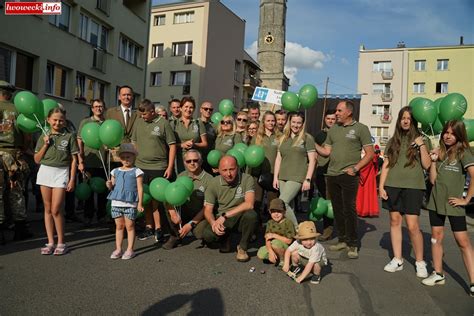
<point x="254" y="156"/>
<point x="83" y="191"/>
<point x="318" y="206"/>
<point x="187" y="182"/>
<point x="158" y="187"/>
<point x="434" y="129"/>
<point x="290" y="101"/>
<point x="146" y="188"/>
<point x="140" y="214"/>
<point x="240" y="147"/>
<point x="48" y="105"/>
<point x="226" y="107"/>
<point x="176" y="194"/>
<point x="146" y="199"/>
<point x="424" y="111"/>
<point x="97" y="185"/>
<point x="26" y="124"/>
<point x="216" y="117"/>
<point x="27" y="103"/>
<point x="469" y="129"/>
<point x="330" y="211"/>
<point x="414" y="101"/>
<point x="452" y="107"/>
<point x="308" y="95"/>
<point x="314" y="217"/>
<point x="436" y="103"/>
<point x="213" y="158"/>
<point x="111" y="133"/>
<point x="238" y="156"/>
<point x="90" y="135"/>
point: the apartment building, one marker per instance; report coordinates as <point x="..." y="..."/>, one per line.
<point x="88" y="51"/>
<point x="389" y="78"/>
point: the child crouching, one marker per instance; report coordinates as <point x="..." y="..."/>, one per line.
<point x="305" y="251"/>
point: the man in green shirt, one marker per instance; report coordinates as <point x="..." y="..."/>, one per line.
<point x="206" y="110"/>
<point x="228" y="205"/>
<point x="343" y="145"/>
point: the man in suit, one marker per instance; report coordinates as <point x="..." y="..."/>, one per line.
<point x="124" y="112"/>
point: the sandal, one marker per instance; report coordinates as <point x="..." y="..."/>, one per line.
<point x="60" y="250"/>
<point x="48" y="249"/>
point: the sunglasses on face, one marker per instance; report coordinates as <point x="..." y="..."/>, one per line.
<point x="208" y="109"/>
<point x="226" y="122"/>
<point x="242" y="119"/>
<point x="192" y="161"/>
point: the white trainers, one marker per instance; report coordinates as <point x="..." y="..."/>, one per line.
<point x="434" y="279"/>
<point x="394" y="265"/>
<point x="421" y="271"/>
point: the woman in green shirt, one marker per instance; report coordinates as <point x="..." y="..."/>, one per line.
<point x="402" y="186"/>
<point x="450" y="162"/>
<point x="227" y="137"/>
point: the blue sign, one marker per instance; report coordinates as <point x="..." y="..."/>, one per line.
<point x="260" y="94"/>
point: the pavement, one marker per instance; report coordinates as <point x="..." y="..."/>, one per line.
<point x="191" y="280"/>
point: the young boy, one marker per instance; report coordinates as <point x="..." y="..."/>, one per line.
<point x="278" y="235"/>
<point x="305" y="250"/>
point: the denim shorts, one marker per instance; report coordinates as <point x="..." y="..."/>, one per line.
<point x="128" y="212"/>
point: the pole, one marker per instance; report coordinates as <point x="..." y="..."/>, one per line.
<point x="324" y="102"/>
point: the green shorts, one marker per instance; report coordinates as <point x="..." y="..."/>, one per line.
<point x="263" y="251"/>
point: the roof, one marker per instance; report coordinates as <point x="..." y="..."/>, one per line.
<point x="249" y="59"/>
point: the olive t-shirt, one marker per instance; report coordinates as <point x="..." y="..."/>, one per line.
<point x="270" y="147"/>
<point x="226" y="142"/>
<point x="450" y="183"/>
<point x="10" y="135"/>
<point x="346" y="144"/>
<point x="60" y="150"/>
<point x="284" y="228"/>
<point x="196" y="200"/>
<point x="294" y="158"/>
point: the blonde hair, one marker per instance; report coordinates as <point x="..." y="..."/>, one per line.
<point x="287" y="130"/>
<point x="261" y="129"/>
<point x="220" y="132"/>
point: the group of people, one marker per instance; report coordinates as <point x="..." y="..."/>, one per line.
<point x="158" y="143"/>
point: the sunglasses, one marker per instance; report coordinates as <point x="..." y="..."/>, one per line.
<point x="192" y="160"/>
<point x="241" y="119"/>
<point x="208" y="109"/>
<point x="226" y="122"/>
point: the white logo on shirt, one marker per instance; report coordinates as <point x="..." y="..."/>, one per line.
<point x="195" y="128"/>
<point x="228" y="142"/>
<point x="238" y="193"/>
<point x="156" y="131"/>
<point x="351" y="134"/>
<point x="63" y="145"/>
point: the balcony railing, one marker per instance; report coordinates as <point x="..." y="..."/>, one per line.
<point x="387" y="74"/>
<point x="387" y="96"/>
<point x="251" y="82"/>
<point x="188" y="59"/>
<point x="99" y="59"/>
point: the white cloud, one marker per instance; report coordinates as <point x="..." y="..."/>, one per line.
<point x="291" y="73"/>
<point x="344" y="61"/>
<point x="252" y="50"/>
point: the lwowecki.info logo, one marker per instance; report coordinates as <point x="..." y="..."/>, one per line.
<point x="28" y="8"/>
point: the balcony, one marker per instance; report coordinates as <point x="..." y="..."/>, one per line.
<point x="387" y="74"/>
<point x="386" y="118"/>
<point x="251" y="82"/>
<point x="99" y="59"/>
<point x="387" y="96"/>
<point x="188" y="59"/>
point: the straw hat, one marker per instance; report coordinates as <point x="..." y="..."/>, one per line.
<point x="307" y="230"/>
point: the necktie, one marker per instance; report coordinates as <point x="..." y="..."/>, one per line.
<point x="127" y="117"/>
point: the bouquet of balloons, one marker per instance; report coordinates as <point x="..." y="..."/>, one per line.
<point x="306" y="98"/>
<point x="33" y="112"/>
<point x="319" y="207"/>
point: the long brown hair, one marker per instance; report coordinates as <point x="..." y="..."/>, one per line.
<point x="300" y="138"/>
<point x="457" y="150"/>
<point x="393" y="147"/>
<point x="261" y="130"/>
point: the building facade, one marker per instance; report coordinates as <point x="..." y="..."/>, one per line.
<point x="196" y="49"/>
<point x="390" y="78"/>
<point x="87" y="52"/>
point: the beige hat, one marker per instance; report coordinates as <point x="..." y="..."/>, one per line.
<point x="277" y="205"/>
<point x="307" y="230"/>
<point x="127" y="148"/>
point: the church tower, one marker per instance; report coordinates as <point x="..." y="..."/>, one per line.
<point x="271" y="44"/>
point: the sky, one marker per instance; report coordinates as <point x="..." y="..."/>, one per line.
<point x="323" y="37"/>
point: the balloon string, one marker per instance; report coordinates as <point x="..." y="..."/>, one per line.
<point x="108" y="162"/>
<point x="178" y="210"/>
<point x="103" y="165"/>
<point x="431" y="127"/>
<point x="39" y="124"/>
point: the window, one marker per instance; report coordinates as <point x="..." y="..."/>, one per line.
<point x="378" y="88"/>
<point x="159" y="20"/>
<point x="88" y="88"/>
<point x="442" y="64"/>
<point x="5" y="64"/>
<point x="184" y="17"/>
<point x="380" y="109"/>
<point x="382" y="66"/>
<point x="93" y="32"/>
<point x="103" y="5"/>
<point x="183" y="49"/>
<point x="56" y="80"/>
<point x="236" y="71"/>
<point x="129" y="51"/>
<point x="441" y="87"/>
<point x="180" y="78"/>
<point x="62" y="20"/>
<point x="236" y="95"/>
<point x="419" y="87"/>
<point x="420" y="65"/>
<point x="24" y="71"/>
<point x="155" y="79"/>
<point x="157" y="51"/>
<point x="380" y="133"/>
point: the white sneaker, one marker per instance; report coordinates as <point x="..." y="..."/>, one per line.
<point x="434" y="279"/>
<point x="394" y="265"/>
<point x="421" y="271"/>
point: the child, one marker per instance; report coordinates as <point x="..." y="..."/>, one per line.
<point x="126" y="184"/>
<point x="57" y="154"/>
<point x="278" y="235"/>
<point x="450" y="162"/>
<point x="305" y="250"/>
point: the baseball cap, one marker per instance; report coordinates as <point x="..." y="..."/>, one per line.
<point x="127" y="148"/>
<point x="277" y="205"/>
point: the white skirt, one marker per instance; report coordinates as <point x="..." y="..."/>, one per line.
<point x="53" y="177"/>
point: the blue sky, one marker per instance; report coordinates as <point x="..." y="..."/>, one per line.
<point x="323" y="37"/>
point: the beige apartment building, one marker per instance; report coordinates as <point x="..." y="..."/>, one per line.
<point x="196" y="49"/>
<point x="88" y="51"/>
<point x="390" y="78"/>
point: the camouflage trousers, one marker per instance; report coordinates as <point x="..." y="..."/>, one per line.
<point x="13" y="173"/>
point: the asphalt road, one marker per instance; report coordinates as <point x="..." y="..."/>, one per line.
<point x="200" y="281"/>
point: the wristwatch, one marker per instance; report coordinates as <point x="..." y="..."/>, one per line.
<point x="224" y="215"/>
<point x="193" y="224"/>
<point x="354" y="169"/>
<point x="307" y="180"/>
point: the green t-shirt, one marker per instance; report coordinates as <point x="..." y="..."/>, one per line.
<point x="152" y="140"/>
<point x="60" y="150"/>
<point x="270" y="146"/>
<point x="320" y="138"/>
<point x="196" y="200"/>
<point x="450" y="183"/>
<point x="284" y="228"/>
<point x="211" y="135"/>
<point x="194" y="131"/>
<point x="91" y="155"/>
<point x="407" y="177"/>
<point x="226" y="142"/>
<point x="227" y="196"/>
<point x="346" y="144"/>
<point x="10" y="135"/>
<point x="294" y="159"/>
